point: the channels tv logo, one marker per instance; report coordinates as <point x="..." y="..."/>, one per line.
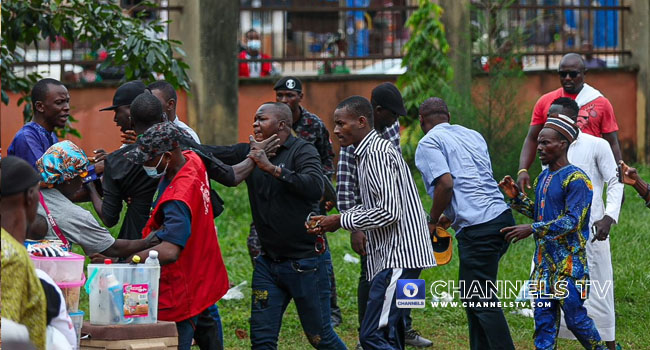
<point x="410" y="294"/>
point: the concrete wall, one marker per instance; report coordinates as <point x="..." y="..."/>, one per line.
<point x="97" y="128"/>
<point x="321" y="97"/>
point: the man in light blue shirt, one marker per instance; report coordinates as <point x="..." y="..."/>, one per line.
<point x="457" y="172"/>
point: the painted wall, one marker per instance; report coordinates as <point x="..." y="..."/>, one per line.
<point x="97" y="128"/>
<point x="321" y="97"/>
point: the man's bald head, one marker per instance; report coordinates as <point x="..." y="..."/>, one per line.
<point x="280" y="110"/>
<point x="433" y="111"/>
<point x="573" y="59"/>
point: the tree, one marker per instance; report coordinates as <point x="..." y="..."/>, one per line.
<point x="428" y="71"/>
<point x="130" y="42"/>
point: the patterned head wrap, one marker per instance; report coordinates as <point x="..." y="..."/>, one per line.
<point x="564" y="125"/>
<point x="62" y="162"/>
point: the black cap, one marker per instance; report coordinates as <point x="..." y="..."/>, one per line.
<point x="288" y="83"/>
<point x="388" y="96"/>
<point x="17" y="176"/>
<point x="125" y="94"/>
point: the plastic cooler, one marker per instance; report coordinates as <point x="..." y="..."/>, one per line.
<point x="77" y="321"/>
<point x="71" y="292"/>
<point x="123" y="293"/>
<point x="61" y="269"/>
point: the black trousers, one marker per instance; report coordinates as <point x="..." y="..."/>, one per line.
<point x="480" y="248"/>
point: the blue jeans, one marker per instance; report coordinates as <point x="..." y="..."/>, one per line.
<point x="185" y="330"/>
<point x="306" y="281"/>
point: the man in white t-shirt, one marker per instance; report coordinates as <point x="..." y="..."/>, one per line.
<point x="166" y="93"/>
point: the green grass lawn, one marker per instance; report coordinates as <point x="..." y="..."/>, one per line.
<point x="447" y="327"/>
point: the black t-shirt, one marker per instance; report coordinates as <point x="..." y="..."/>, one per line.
<point x="281" y="205"/>
<point x="123" y="180"/>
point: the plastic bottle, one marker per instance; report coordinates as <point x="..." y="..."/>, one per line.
<point x="152" y="259"/>
<point x="153" y="265"/>
<point x="117" y="298"/>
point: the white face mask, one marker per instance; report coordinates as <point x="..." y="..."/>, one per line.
<point x="153" y="171"/>
<point x="254" y="44"/>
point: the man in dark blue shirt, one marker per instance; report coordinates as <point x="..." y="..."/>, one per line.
<point x="51" y="105"/>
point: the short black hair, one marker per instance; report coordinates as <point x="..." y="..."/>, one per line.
<point x="251" y="31"/>
<point x="358" y="106"/>
<point x="567" y="104"/>
<point x="40" y="89"/>
<point x="146" y="110"/>
<point x="169" y="93"/>
<point x="433" y="106"/>
<point x="283" y="111"/>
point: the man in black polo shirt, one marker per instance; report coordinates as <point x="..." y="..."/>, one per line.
<point x="282" y="192"/>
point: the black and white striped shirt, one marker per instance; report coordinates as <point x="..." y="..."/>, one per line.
<point x="391" y="212"/>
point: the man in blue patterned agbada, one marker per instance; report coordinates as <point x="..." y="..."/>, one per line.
<point x="561" y="210"/>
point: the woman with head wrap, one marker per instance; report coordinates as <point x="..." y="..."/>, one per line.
<point x="62" y="168"/>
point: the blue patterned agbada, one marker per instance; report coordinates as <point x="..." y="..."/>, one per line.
<point x="561" y="230"/>
<point x="561" y="213"/>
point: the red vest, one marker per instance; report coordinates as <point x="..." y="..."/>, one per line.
<point x="198" y="278"/>
<point x="244" y="70"/>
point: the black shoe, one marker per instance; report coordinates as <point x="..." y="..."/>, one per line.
<point x="413" y="338"/>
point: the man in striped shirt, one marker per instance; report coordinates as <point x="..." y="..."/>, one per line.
<point x="398" y="244"/>
<point x="387" y="106"/>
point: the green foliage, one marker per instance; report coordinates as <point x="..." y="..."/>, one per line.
<point x="425" y="57"/>
<point x="493" y="108"/>
<point x="130" y="42"/>
<point x="428" y="70"/>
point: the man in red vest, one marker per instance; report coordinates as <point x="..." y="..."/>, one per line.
<point x="193" y="276"/>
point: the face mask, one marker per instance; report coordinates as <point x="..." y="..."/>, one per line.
<point x="254" y="44"/>
<point x="153" y="171"/>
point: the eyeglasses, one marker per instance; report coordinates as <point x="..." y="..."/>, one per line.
<point x="571" y="73"/>
<point x="319" y="246"/>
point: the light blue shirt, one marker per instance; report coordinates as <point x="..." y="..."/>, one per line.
<point x="463" y="153"/>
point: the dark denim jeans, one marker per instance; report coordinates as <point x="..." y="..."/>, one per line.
<point x="185" y="330"/>
<point x="306" y="281"/>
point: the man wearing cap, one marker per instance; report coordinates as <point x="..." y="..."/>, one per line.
<point x="387" y="105"/>
<point x="51" y="106"/>
<point x="23" y="299"/>
<point x="457" y="173"/>
<point x="124" y="95"/>
<point x="193" y="276"/>
<point x="596" y="116"/>
<point x="124" y="180"/>
<point x="166" y="93"/>
<point x="561" y="210"/>
<point x="306" y="125"/>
